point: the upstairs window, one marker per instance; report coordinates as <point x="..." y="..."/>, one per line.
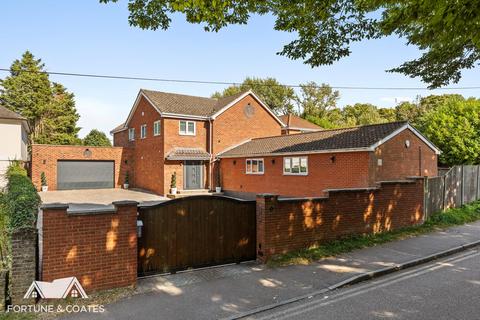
<point x="143" y="131"/>
<point x="255" y="166"/>
<point x="295" y="166"/>
<point x="131" y="134"/>
<point x="187" y="128"/>
<point x="156" y="128"/>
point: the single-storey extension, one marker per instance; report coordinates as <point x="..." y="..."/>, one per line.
<point x="308" y="164"/>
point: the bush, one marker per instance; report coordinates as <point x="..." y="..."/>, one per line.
<point x="21" y="200"/>
<point x="15" y="167"/>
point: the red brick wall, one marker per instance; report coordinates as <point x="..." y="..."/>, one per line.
<point x="100" y="249"/>
<point x="45" y="157"/>
<point x="286" y="225"/>
<point x="148" y="152"/>
<point x="120" y="139"/>
<point x="399" y="162"/>
<point x="349" y="170"/>
<point x="233" y="126"/>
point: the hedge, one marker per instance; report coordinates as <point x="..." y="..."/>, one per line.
<point x="21" y="200"/>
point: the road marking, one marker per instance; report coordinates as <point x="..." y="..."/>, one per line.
<point x="346" y="294"/>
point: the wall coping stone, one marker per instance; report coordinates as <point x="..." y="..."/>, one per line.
<point x="55" y="206"/>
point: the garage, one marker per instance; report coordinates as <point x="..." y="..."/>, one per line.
<point x="85" y="174"/>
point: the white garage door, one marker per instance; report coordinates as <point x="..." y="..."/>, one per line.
<point x="85" y="175"/>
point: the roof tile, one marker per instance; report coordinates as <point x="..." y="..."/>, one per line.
<point x="336" y="139"/>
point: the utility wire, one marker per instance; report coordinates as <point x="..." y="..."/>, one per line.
<point x="104" y="76"/>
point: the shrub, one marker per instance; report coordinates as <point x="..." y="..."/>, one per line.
<point x="15" y="167"/>
<point x="173" y="183"/>
<point x="127" y="178"/>
<point x="21" y="200"/>
<point x="43" y="179"/>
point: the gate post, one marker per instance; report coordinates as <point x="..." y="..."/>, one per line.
<point x="265" y="203"/>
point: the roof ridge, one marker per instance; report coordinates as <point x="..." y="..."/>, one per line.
<point x="178" y="94"/>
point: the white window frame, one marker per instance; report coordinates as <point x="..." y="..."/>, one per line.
<point x="290" y="159"/>
<point x="186" y="133"/>
<point x="131" y="134"/>
<point x="247" y="171"/>
<point x="143" y="131"/>
<point x="156" y="128"/>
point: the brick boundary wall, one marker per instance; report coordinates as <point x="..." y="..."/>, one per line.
<point x="45" y="158"/>
<point x="284" y="225"/>
<point x="99" y="248"/>
<point x="24" y="264"/>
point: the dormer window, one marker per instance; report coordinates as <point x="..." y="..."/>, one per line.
<point x="187" y="128"/>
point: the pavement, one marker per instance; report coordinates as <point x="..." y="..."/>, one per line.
<point x="247" y="289"/>
<point x="90" y="199"/>
<point x="448" y="288"/>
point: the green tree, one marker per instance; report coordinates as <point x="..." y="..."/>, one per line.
<point x="408" y="111"/>
<point x="96" y="138"/>
<point x="454" y="127"/>
<point x="48" y="107"/>
<point x="316" y="101"/>
<point x="387" y="114"/>
<point x="361" y="114"/>
<point x="446" y="31"/>
<point x="278" y="97"/>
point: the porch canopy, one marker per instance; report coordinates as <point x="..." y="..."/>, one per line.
<point x="188" y="154"/>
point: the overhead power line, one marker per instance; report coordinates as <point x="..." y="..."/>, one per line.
<point x="105" y="76"/>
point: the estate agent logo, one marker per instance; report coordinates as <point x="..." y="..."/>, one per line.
<point x="57" y="289"/>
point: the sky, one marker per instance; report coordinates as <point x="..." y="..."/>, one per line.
<point x="89" y="37"/>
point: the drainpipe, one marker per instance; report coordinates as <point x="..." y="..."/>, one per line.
<point x="210" y="148"/>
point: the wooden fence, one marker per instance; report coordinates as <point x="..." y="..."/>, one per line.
<point x="459" y="186"/>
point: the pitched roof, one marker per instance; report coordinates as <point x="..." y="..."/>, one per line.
<point x="8" y="114"/>
<point x="187" y="105"/>
<point x="118" y="128"/>
<point x="363" y="137"/>
<point x="188" y="154"/>
<point x="295" y="122"/>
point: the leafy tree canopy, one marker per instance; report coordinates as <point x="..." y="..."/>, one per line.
<point x="278" y="97"/>
<point x="454" y="126"/>
<point x="446" y="31"/>
<point x="96" y="138"/>
<point x="315" y="100"/>
<point x="48" y="106"/>
<point x="361" y="114"/>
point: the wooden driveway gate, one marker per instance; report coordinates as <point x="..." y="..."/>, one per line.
<point x="195" y="232"/>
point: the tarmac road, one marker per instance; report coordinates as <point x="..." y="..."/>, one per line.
<point x="445" y="289"/>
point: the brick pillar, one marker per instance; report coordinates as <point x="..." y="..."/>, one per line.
<point x="23" y="272"/>
<point x="265" y="203"/>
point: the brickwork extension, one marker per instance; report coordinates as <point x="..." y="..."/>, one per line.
<point x="100" y="249"/>
<point x="286" y="225"/>
<point x="45" y="157"/>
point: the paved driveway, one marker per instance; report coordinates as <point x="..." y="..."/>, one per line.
<point x="98" y="198"/>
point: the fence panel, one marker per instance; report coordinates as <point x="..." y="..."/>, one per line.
<point x="459" y="186"/>
<point x="453" y="188"/>
<point x="434" y="195"/>
<point x="470" y="180"/>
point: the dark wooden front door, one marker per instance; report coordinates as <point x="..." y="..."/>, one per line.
<point x="194" y="232"/>
<point x="193" y="175"/>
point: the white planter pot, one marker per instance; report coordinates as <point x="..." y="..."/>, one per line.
<point x="125" y="186"/>
<point x="173" y="190"/>
<point x="218" y="189"/>
<point x="44" y="188"/>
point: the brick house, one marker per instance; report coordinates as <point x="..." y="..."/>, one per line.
<point x="170" y="133"/>
<point x="307" y="164"/>
<point x="294" y="124"/>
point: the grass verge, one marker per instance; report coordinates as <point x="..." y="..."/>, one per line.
<point x="451" y="217"/>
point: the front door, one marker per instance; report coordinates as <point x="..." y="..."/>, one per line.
<point x="193" y="174"/>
